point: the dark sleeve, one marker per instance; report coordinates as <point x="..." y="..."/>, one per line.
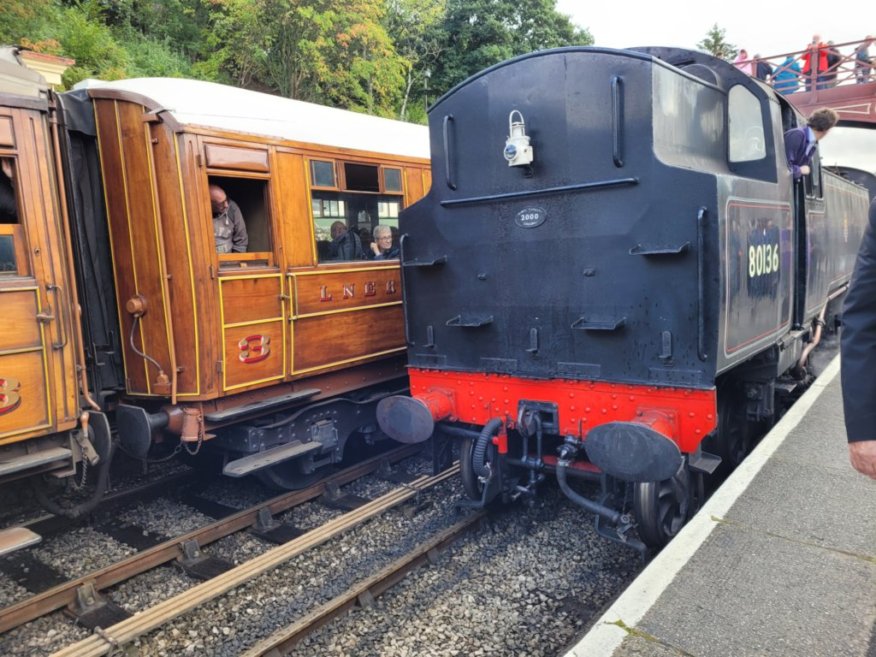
<point x="239" y="237"/>
<point x="8" y="207"/>
<point x="858" y="345"/>
<point x="794" y="143"/>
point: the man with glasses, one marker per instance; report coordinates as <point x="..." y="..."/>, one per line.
<point x="382" y="246"/>
<point x="229" y="229"/>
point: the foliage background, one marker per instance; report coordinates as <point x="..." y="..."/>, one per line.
<point x="385" y="57"/>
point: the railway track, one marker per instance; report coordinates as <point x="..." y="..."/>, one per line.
<point x="80" y="595"/>
<point x="109" y="639"/>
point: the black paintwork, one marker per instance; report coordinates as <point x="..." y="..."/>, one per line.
<point x="624" y="253"/>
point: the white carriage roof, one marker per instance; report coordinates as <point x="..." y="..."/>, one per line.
<point x="211" y="105"/>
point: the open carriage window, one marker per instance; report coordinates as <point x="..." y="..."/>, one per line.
<point x="11" y="236"/>
<point x="344" y="221"/>
<point x="241" y="221"/>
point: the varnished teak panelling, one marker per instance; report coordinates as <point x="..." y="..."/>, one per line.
<point x="326" y="340"/>
<point x="220" y="156"/>
<point x="7" y="136"/>
<point x="331" y="291"/>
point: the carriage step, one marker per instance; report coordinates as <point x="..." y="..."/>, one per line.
<point x="28" y="461"/>
<point x="261" y="406"/>
<point x="249" y="464"/>
<point x="16" y="538"/>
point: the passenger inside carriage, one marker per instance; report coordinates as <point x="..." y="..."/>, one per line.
<point x="345" y="244"/>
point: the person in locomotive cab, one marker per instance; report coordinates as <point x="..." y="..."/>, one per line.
<point x="382" y="246"/>
<point x="858" y="355"/>
<point x="229" y="228"/>
<point x="800" y="142"/>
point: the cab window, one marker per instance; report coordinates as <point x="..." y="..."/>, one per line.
<point x="746" y="133"/>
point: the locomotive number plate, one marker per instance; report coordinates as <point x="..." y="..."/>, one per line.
<point x="530" y="217"/>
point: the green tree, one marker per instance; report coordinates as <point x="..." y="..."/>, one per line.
<point x="412" y="26"/>
<point x="715" y="44"/>
<point x="479" y="33"/>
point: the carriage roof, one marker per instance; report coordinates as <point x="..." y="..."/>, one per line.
<point x="216" y="106"/>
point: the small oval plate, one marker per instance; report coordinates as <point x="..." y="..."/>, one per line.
<point x="530" y="217"/>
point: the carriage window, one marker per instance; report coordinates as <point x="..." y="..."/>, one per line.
<point x="361" y="177"/>
<point x="392" y="180"/>
<point x="746" y="132"/>
<point x="241" y="221"/>
<point x="344" y="223"/>
<point x="8" y="197"/>
<point x="322" y="173"/>
<point x="8" y="264"/>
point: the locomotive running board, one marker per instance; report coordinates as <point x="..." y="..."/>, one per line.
<point x="261" y="406"/>
<point x="249" y="464"/>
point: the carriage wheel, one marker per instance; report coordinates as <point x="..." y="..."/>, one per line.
<point x="473" y="487"/>
<point x="662" y="508"/>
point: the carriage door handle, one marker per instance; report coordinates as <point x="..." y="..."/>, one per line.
<point x="46" y="317"/>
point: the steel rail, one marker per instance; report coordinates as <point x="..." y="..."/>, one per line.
<point x="112" y="638"/>
<point x="363" y="592"/>
<point x="145" y="560"/>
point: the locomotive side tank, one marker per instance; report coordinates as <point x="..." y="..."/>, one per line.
<point x="613" y="265"/>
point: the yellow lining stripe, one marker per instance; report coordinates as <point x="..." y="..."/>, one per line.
<point x="159" y="249"/>
<point x="269" y="320"/>
<point x="109" y="231"/>
<point x="282" y="375"/>
<point x="351" y="360"/>
<point x="23" y="350"/>
<point x="279" y="377"/>
<point x="347" y="310"/>
<point x="124" y="170"/>
<point x="324" y="272"/>
<point x="182" y="197"/>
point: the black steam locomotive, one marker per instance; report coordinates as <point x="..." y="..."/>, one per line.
<point x="615" y="278"/>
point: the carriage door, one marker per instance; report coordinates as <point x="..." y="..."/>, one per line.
<point x="251" y="295"/>
<point x="25" y="402"/>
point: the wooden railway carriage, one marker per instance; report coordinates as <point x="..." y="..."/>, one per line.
<point x="614" y="270"/>
<point x="276" y="354"/>
<point x="42" y="425"/>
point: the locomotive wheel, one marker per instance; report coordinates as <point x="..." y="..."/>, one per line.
<point x="735" y="436"/>
<point x="473" y="487"/>
<point x="662" y="508"/>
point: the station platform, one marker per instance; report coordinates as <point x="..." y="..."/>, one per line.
<point x="780" y="561"/>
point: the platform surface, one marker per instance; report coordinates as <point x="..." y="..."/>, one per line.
<point x="780" y="562"/>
